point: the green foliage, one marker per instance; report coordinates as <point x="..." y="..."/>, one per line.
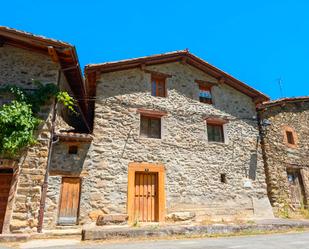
<point x="40" y="95"/>
<point x="17" y="124"/>
<point x="66" y="100"/>
<point x="18" y="119"/>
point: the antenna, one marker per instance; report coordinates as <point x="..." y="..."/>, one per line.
<point x="280" y="86"/>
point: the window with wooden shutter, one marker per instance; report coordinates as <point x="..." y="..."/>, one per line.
<point x="150" y="127"/>
<point x="158" y="87"/>
<point x="290" y="137"/>
<point x="205" y="94"/>
<point x="215" y="133"/>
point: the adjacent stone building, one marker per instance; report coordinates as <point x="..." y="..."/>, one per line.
<point x="23" y="58"/>
<point x="285" y="133"/>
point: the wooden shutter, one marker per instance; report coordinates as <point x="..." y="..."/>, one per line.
<point x="69" y="202"/>
<point x="150" y="127"/>
<point x="158" y="86"/>
<point x="215" y="133"/>
<point x="144" y="126"/>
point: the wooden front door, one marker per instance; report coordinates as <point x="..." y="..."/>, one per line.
<point x="69" y="201"/>
<point x="5" y="186"/>
<point x="296" y="188"/>
<point x="145" y="197"/>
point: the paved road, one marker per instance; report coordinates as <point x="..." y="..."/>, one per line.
<point x="278" y="241"/>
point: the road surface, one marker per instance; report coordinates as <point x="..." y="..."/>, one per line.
<point x="274" y="241"/>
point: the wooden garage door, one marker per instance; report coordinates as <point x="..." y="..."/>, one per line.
<point x="297" y="192"/>
<point x="5" y="185"/>
<point x="146" y="201"/>
<point x="69" y="203"/>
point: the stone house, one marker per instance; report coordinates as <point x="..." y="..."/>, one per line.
<point x="157" y="138"/>
<point x="173" y="138"/>
<point x="285" y="144"/>
<point x="23" y="179"/>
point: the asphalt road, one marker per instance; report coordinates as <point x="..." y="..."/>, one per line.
<point x="277" y="241"/>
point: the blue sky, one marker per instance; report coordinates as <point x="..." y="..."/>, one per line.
<point x="257" y="41"/>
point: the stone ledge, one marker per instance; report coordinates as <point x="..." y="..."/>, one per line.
<point x="103" y="233"/>
<point x="110" y="219"/>
<point x="14" y="237"/>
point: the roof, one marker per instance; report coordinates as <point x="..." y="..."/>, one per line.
<point x="60" y="52"/>
<point x="283" y="101"/>
<point x="183" y="56"/>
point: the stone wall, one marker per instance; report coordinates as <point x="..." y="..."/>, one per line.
<point x="278" y="155"/>
<point x="19" y="67"/>
<point x="193" y="165"/>
<point x="62" y="164"/>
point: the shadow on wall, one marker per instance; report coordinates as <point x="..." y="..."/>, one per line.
<point x="68" y="158"/>
<point x="253" y="166"/>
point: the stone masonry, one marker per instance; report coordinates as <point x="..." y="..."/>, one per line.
<point x="193" y="165"/>
<point x="19" y="67"/>
<point x="280" y="156"/>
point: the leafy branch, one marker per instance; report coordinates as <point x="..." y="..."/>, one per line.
<point x="18" y="119"/>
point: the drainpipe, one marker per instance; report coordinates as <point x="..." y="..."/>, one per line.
<point x="50" y="146"/>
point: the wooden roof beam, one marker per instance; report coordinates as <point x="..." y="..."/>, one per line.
<point x="53" y="54"/>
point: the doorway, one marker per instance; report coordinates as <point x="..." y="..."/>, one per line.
<point x="146" y="193"/>
<point x="296" y="187"/>
<point x="6" y="176"/>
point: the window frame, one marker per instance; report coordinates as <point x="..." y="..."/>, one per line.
<point x="205" y="88"/>
<point x="152" y="114"/>
<point x="213" y="121"/>
<point x="148" y="132"/>
<point x="221" y="131"/>
<point x="158" y="79"/>
<point x="291" y="131"/>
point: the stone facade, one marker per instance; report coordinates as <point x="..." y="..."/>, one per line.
<point x="193" y="165"/>
<point x="281" y="157"/>
<point x="20" y="67"/>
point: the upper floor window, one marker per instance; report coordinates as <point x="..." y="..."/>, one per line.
<point x="205" y="94"/>
<point x="215" y="133"/>
<point x="290" y="137"/>
<point x="150" y="127"/>
<point x="158" y="86"/>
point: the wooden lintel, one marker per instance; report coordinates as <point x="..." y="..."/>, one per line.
<point x="53" y="54"/>
<point x="158" y="74"/>
<point x="151" y="113"/>
<point x="216" y="120"/>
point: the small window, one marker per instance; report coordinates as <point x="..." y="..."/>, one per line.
<point x="150" y="127"/>
<point x="205" y="94"/>
<point x="215" y="133"/>
<point x="223" y="178"/>
<point x="290" y="137"/>
<point x="158" y="87"/>
<point x="73" y="149"/>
